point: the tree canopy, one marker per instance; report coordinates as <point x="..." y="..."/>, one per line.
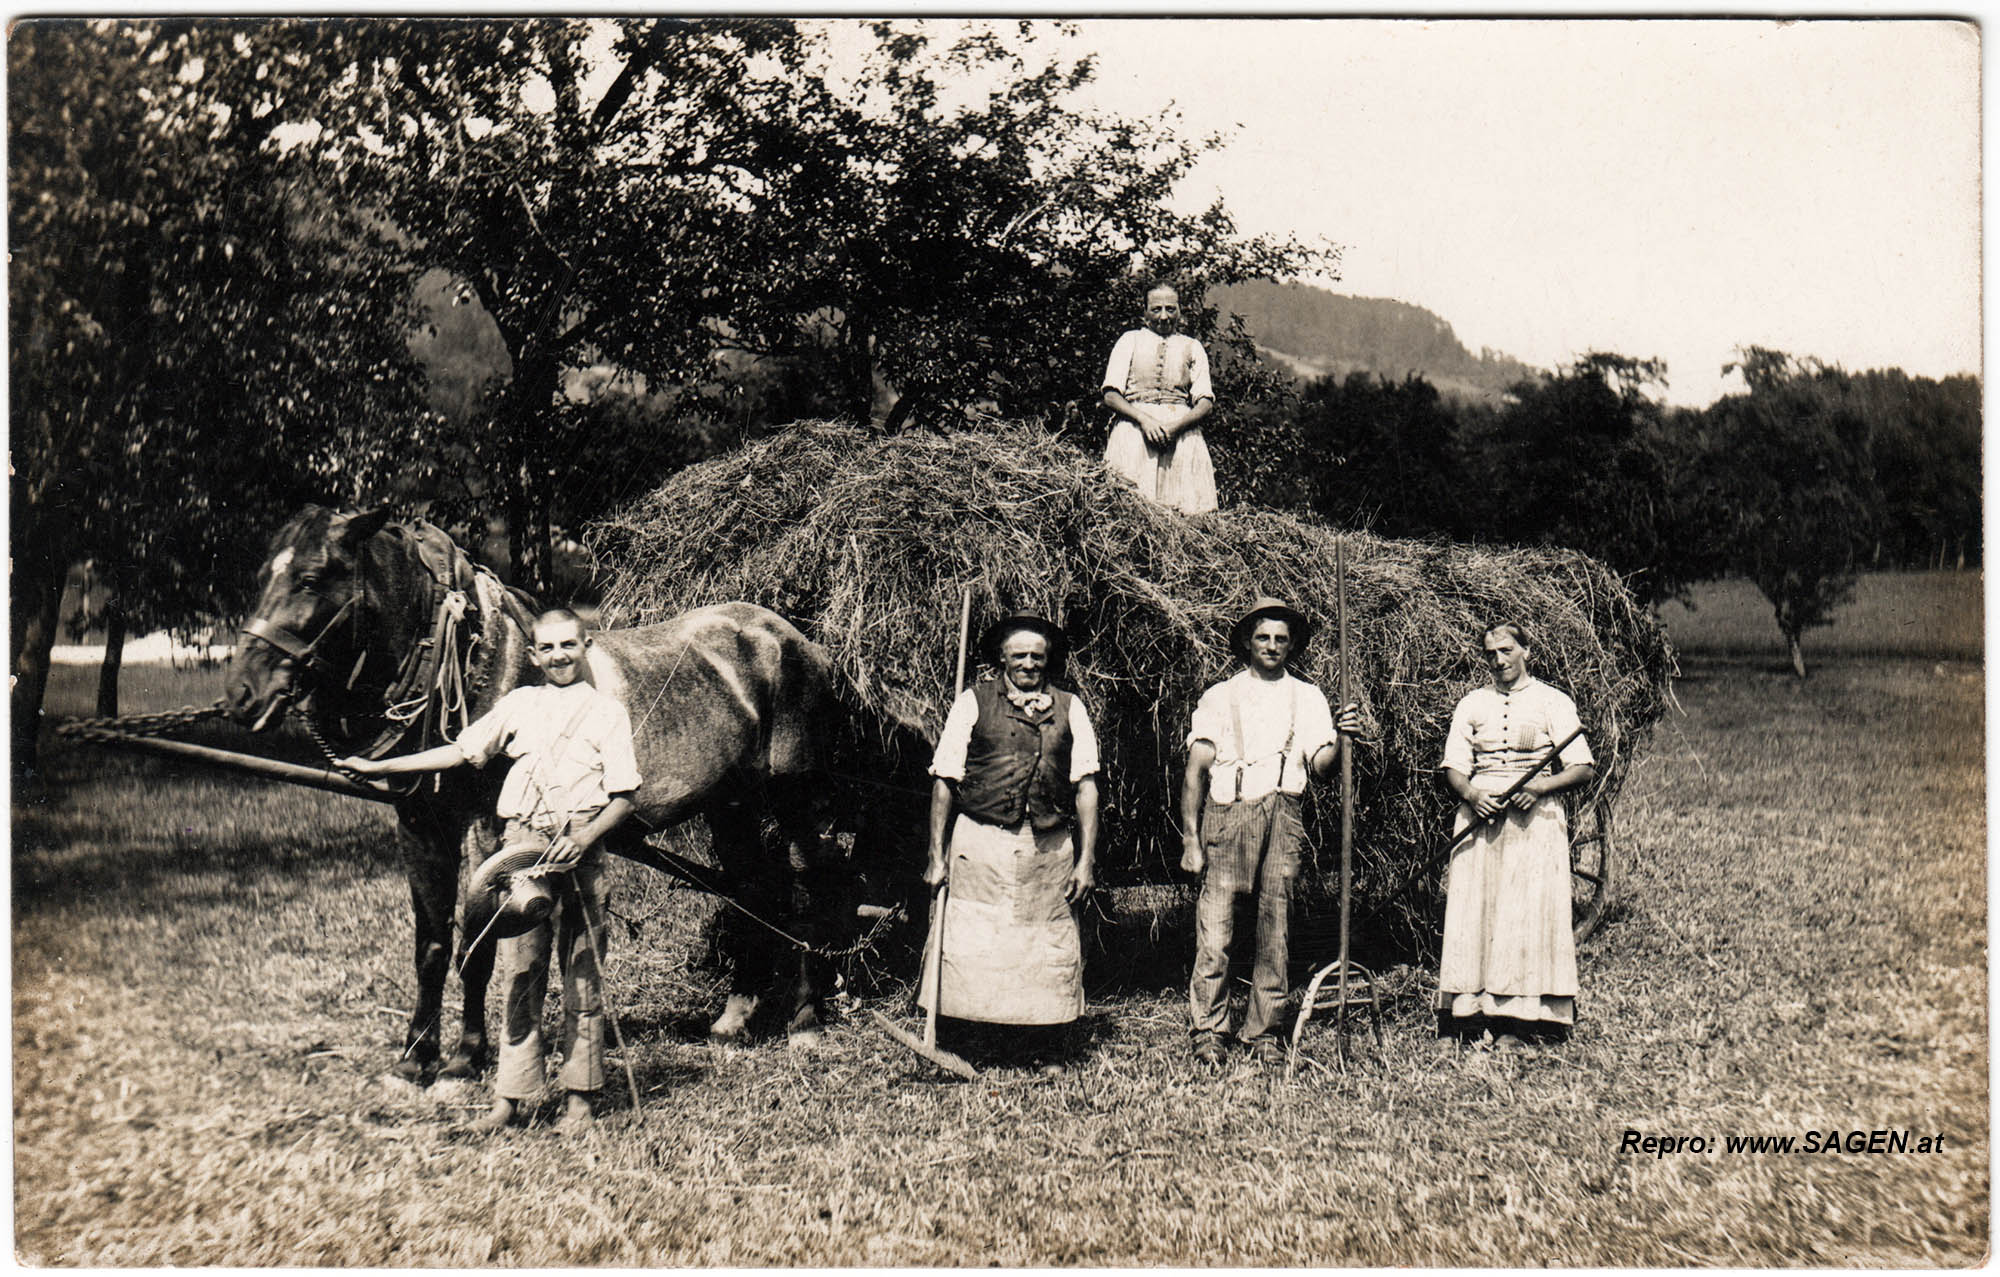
<point x="193" y="348"/>
<point x="228" y="231"/>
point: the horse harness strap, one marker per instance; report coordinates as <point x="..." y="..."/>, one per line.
<point x="430" y="684"/>
<point x="296" y="646"/>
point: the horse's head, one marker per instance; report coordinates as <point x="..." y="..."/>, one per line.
<point x="301" y="635"/>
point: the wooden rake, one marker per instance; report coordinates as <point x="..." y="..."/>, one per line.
<point x="927" y="1046"/>
<point x="1352" y="986"/>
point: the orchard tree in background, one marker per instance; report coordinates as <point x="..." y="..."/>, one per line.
<point x="577" y="182"/>
<point x="1791" y="462"/>
<point x="1382" y="455"/>
<point x="650" y="195"/>
<point x="1583" y="457"/>
<point x="1925" y="439"/>
<point x="192" y="349"/>
<point x="975" y="247"/>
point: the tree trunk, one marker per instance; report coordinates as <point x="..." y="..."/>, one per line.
<point x="38" y="608"/>
<point x="858" y="370"/>
<point x="514" y="505"/>
<point x="528" y="517"/>
<point x="114" y="659"/>
<point x="1798" y="655"/>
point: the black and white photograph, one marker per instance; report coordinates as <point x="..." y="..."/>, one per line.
<point x="764" y="641"/>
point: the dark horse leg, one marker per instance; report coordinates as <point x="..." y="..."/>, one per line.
<point x="821" y="903"/>
<point x="738" y="842"/>
<point x="797" y="884"/>
<point x="433" y="893"/>
<point x="433" y="852"/>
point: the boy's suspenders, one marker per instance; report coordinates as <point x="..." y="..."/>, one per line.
<point x="555" y="751"/>
<point x="1242" y="752"/>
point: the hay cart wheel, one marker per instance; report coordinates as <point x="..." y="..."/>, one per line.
<point x="1591" y="861"/>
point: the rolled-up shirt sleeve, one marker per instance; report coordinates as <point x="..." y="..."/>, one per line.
<point x="948" y="762"/>
<point x="1315" y="723"/>
<point x="1083" y="756"/>
<point x="486" y="735"/>
<point x="621" y="767"/>
<point x="1119" y="370"/>
<point x="1563" y="721"/>
<point x="1208" y="721"/>
<point x="1198" y="384"/>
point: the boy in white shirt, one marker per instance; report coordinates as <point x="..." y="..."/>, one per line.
<point x="571" y="783"/>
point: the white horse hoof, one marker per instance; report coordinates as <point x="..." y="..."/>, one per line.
<point x="805" y="1039"/>
<point x="734" y="1022"/>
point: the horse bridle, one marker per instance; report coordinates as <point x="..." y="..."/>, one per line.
<point x="417" y="668"/>
<point x="300" y="649"/>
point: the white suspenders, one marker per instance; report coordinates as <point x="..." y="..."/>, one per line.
<point x="1236" y="723"/>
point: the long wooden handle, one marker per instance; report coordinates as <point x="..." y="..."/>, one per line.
<point x="964" y="640"/>
<point x="934" y="963"/>
<point x="1346" y="756"/>
<point x="934" y="945"/>
<point x="1555" y="751"/>
<point x="269" y="768"/>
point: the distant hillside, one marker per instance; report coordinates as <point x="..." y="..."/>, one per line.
<point x="1316" y="333"/>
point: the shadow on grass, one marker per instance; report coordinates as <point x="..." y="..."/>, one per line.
<point x="102" y="827"/>
<point x="1144" y="941"/>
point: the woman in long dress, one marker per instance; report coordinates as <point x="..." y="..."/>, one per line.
<point x="1509" y="963"/>
<point x="1157" y="383"/>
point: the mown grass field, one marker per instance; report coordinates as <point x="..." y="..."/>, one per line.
<point x="210" y="976"/>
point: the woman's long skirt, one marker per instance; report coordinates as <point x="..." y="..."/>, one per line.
<point x="1011" y="949"/>
<point x="1508" y="947"/>
<point x="1180" y="475"/>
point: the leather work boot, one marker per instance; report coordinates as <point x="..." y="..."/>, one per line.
<point x="1209" y="1052"/>
<point x="1267" y="1050"/>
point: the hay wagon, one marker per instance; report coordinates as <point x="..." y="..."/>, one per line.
<point x="868" y="541"/>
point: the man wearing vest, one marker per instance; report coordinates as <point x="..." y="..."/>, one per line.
<point x="1014" y="802"/>
<point x="1256" y="739"/>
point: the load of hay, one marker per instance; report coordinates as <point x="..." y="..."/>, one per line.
<point x="865" y="542"/>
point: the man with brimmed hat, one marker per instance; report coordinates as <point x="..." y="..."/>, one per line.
<point x="571" y="784"/>
<point x="1014" y="802"/>
<point x="1256" y="739"/>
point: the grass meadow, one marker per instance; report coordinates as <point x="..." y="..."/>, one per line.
<point x="211" y="975"/>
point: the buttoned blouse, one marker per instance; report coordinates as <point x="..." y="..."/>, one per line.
<point x="1499" y="734"/>
<point x="1148" y="368"/>
<point x="571" y="746"/>
<point x="948" y="762"/>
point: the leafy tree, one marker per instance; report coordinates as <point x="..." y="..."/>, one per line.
<point x="1925" y="444"/>
<point x="1587" y="457"/>
<point x="585" y="216"/>
<point x="192" y="347"/>
<point x="983" y="250"/>
<point x="761" y="187"/>
<point x="1382" y="454"/>
<point x="1790" y="460"/>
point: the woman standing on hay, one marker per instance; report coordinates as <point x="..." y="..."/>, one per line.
<point x="1017" y="764"/>
<point x="1509" y="961"/>
<point x="1157" y="383"/>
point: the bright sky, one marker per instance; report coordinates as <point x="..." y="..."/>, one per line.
<point x="1669" y="189"/>
<point x="1658" y="189"/>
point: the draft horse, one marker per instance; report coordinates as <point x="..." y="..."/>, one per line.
<point x="386" y="639"/>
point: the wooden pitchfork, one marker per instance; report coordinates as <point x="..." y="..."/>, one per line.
<point x="933" y="971"/>
<point x="1353" y="984"/>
